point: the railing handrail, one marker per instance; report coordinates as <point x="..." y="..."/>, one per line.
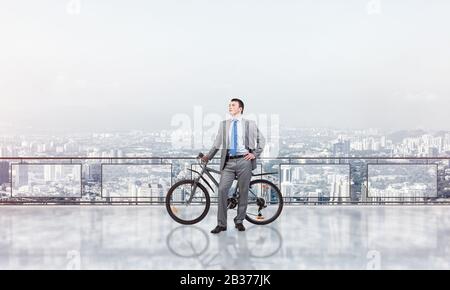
<point x="261" y="158"/>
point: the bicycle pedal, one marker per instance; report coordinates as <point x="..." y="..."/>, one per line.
<point x="260" y="217"/>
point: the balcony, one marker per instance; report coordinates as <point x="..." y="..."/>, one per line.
<point x="340" y="225"/>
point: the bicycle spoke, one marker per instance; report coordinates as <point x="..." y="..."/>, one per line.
<point x="264" y="202"/>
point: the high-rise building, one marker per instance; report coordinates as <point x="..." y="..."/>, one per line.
<point x="21" y="176"/>
<point x="95" y="172"/>
<point x="341" y="148"/>
<point x="76" y="173"/>
<point x="58" y="171"/>
<point x="12" y="151"/>
<point x="297" y="174"/>
<point x="3" y="152"/>
<point x="49" y="173"/>
<point x="116" y="153"/>
<point x="71" y="147"/>
<point x="383" y="141"/>
<point x="339" y="188"/>
<point x="53" y="172"/>
<point x="4" y="172"/>
<point x="433" y="152"/>
<point x="286" y="174"/>
<point x="120" y="155"/>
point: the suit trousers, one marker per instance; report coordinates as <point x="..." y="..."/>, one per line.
<point x="242" y="169"/>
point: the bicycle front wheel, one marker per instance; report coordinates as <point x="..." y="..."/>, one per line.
<point x="186" y="205"/>
<point x="265" y="202"/>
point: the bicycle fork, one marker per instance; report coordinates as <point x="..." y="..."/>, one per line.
<point x="194" y="188"/>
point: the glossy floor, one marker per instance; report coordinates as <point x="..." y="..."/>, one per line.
<point x="144" y="237"/>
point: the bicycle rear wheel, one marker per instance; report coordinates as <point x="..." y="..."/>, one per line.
<point x="265" y="202"/>
<point x="182" y="208"/>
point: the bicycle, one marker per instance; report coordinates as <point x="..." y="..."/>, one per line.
<point x="188" y="201"/>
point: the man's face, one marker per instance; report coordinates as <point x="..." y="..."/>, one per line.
<point x="233" y="108"/>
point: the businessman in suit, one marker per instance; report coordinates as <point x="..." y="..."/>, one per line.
<point x="241" y="143"/>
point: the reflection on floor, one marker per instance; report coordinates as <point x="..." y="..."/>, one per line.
<point x="144" y="237"/>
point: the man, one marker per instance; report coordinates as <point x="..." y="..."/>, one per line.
<point x="241" y="143"/>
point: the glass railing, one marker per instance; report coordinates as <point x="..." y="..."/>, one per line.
<point x="302" y="180"/>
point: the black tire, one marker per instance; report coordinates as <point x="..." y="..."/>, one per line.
<point x="280" y="204"/>
<point x="174" y="216"/>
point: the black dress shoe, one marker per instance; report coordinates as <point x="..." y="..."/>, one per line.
<point x="218" y="229"/>
<point x="240" y="227"/>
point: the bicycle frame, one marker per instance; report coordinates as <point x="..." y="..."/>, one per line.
<point x="207" y="170"/>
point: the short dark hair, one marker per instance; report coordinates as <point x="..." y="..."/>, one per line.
<point x="241" y="103"/>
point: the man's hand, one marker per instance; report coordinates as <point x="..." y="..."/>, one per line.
<point x="249" y="156"/>
<point x="205" y="159"/>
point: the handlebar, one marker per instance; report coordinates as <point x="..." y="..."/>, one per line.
<point x="199" y="157"/>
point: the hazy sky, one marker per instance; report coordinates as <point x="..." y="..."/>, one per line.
<point x="94" y="64"/>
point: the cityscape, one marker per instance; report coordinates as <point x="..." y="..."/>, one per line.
<point x="401" y="180"/>
<point x="136" y="181"/>
<point x="46" y="180"/>
<point x="138" y="166"/>
<point x="311" y="182"/>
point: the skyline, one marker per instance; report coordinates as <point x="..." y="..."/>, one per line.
<point x="291" y="142"/>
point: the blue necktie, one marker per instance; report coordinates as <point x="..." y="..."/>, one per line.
<point x="234" y="138"/>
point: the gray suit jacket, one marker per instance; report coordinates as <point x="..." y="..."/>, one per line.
<point x="253" y="139"/>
